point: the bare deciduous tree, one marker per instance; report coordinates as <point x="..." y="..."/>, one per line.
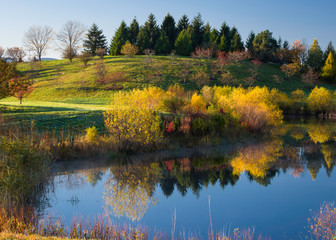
<point x="70" y="37"/>
<point x="36" y="39"/>
<point x="16" y="53"/>
<point x="2" y="51"/>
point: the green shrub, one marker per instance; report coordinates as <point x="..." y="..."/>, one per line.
<point x="198" y="126"/>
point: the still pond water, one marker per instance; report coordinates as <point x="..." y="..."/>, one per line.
<point x="271" y="184"/>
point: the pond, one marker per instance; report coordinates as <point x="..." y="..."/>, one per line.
<point x="269" y="184"/>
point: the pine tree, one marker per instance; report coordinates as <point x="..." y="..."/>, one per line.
<point x="224" y="44"/>
<point x="330" y="49"/>
<point x="214" y="37"/>
<point x="329" y="68"/>
<point x="207" y="34"/>
<point x="168" y="26"/>
<point x="133" y="31"/>
<point x="236" y="43"/>
<point x="225" y="32"/>
<point x="285" y="45"/>
<point x="197" y="31"/>
<point x="153" y="30"/>
<point x="249" y="41"/>
<point x="315" y="57"/>
<point x="183" y="43"/>
<point x="183" y="24"/>
<point x="94" y="39"/>
<point x="119" y="39"/>
<point x="163" y="45"/>
<point x="143" y="40"/>
<point x="265" y="46"/>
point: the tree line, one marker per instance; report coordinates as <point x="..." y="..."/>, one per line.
<point x="183" y="37"/>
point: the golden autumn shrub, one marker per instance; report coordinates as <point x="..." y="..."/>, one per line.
<point x="133" y="128"/>
<point x="320" y="100"/>
<point x="197" y="104"/>
<point x="132" y="119"/>
<point x="255" y="108"/>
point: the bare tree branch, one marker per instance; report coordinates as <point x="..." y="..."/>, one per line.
<point x="16" y="53"/>
<point x="36" y="39"/>
<point x="2" y="51"/>
<point x="70" y="38"/>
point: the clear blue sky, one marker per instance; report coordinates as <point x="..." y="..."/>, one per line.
<point x="290" y="19"/>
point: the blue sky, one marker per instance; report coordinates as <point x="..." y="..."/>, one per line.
<point x="299" y="19"/>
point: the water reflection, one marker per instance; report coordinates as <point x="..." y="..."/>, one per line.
<point x="129" y="185"/>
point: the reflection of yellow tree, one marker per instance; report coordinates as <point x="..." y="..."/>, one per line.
<point x="320" y="133"/>
<point x="297" y="133"/>
<point x="93" y="176"/>
<point x="327" y="151"/>
<point x="129" y="192"/>
<point x="257" y="159"/>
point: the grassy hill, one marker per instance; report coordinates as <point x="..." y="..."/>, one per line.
<point x="67" y="93"/>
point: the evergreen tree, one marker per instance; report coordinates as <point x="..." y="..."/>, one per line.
<point x="183" y="24"/>
<point x="249" y="41"/>
<point x="163" y="45"/>
<point x="330" y="49"/>
<point x="183" y="43"/>
<point x="236" y="43"/>
<point x="214" y="37"/>
<point x="153" y="30"/>
<point x="143" y="40"/>
<point x="197" y="31"/>
<point x="94" y="39"/>
<point x="285" y="45"/>
<point x="315" y="57"/>
<point x="280" y="43"/>
<point x="133" y="31"/>
<point x="224" y="44"/>
<point x="329" y="68"/>
<point x="225" y="32"/>
<point x="168" y="26"/>
<point x="119" y="39"/>
<point x="265" y="46"/>
<point x="207" y="34"/>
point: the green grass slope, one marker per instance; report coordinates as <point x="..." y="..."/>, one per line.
<point x="65" y="92"/>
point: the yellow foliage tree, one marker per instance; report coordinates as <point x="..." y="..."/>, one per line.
<point x="329" y="68"/>
<point x="319" y="99"/>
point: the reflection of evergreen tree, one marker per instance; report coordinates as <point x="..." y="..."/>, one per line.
<point x="226" y="177"/>
<point x="167" y="183"/>
<point x="270" y="174"/>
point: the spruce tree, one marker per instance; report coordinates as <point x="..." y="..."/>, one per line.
<point x="224" y="44"/>
<point x="143" y="40"/>
<point x="225" y="32"/>
<point x="119" y="39"/>
<point x="133" y="31"/>
<point x="197" y="31"/>
<point x="153" y="30"/>
<point x="207" y="35"/>
<point x="183" y="24"/>
<point x="330" y="49"/>
<point x="236" y="43"/>
<point x="249" y="41"/>
<point x="285" y="45"/>
<point x="163" y="45"/>
<point x="183" y="43"/>
<point x="214" y="37"/>
<point x="168" y="26"/>
<point x="315" y="57"/>
<point x="94" y="39"/>
<point x="329" y="68"/>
